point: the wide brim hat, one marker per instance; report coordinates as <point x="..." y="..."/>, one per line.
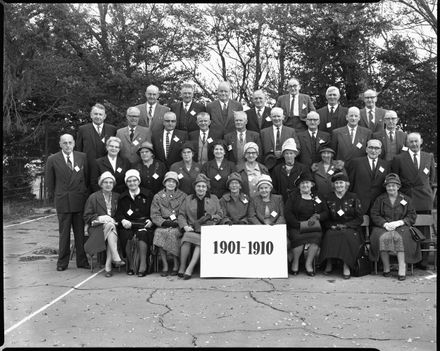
<point x="188" y="145"/>
<point x="264" y="179"/>
<point x="289" y="144"/>
<point x="171" y="175"/>
<point x="392" y="178"/>
<point x="339" y="176"/>
<point x="304" y="177"/>
<point x="249" y="145"/>
<point x="202" y="178"/>
<point x="132" y="173"/>
<point x="104" y="176"/>
<point x="145" y="145"/>
<point x="327" y="149"/>
<point x="234" y="176"/>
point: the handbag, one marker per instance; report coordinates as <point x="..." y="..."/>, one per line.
<point x="362" y="266"/>
<point x="95" y="243"/>
<point x="416" y="234"/>
<point x="304" y="227"/>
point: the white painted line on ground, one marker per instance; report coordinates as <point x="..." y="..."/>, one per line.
<point x="51" y="303"/>
<point x="31" y="220"/>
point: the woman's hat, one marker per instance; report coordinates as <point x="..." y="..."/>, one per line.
<point x="105" y="176"/>
<point x="171" y="175"/>
<point x="145" y="145"/>
<point x="264" y="179"/>
<point x="392" y="178"/>
<point x="132" y="173"/>
<point x="234" y="176"/>
<point x="339" y="176"/>
<point x="187" y="145"/>
<point x="202" y="178"/>
<point x="327" y="149"/>
<point x="250" y="144"/>
<point x="304" y="177"/>
<point x="289" y="144"/>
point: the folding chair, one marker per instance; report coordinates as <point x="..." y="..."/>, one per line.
<point x="428" y="220"/>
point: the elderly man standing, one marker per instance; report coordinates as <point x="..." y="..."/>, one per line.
<point x="367" y="174"/>
<point x="168" y="142"/>
<point x="152" y="112"/>
<point x="296" y="106"/>
<point x="393" y="140"/>
<point x="66" y="178"/>
<point x="333" y="115"/>
<point x="235" y="140"/>
<point x="222" y="110"/>
<point x="312" y="140"/>
<point x="132" y="136"/>
<point x="258" y="116"/>
<point x="186" y="110"/>
<point x="372" y="116"/>
<point x="416" y="170"/>
<point x="350" y="141"/>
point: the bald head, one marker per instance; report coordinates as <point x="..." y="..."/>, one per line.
<point x="152" y="94"/>
<point x="353" y="116"/>
<point x="224" y="91"/>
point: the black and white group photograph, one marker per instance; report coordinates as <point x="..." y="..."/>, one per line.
<point x="220" y="175"/>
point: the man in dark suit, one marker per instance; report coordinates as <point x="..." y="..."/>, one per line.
<point x="272" y="138"/>
<point x="167" y="144"/>
<point x="296" y="106"/>
<point x="132" y="136"/>
<point x="367" y="174"/>
<point x="372" y="116"/>
<point x="350" y="141"/>
<point x="203" y="138"/>
<point x="312" y="140"/>
<point x="416" y="170"/>
<point x="258" y="117"/>
<point x="152" y="112"/>
<point x="222" y="110"/>
<point x="236" y="140"/>
<point x="393" y="140"/>
<point x="333" y="115"/>
<point x="186" y="111"/>
<point x="91" y="137"/>
<point x="66" y="179"/>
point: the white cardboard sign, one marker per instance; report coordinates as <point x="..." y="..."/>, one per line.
<point x="243" y="251"/>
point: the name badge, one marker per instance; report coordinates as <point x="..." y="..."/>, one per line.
<point x="381" y="169"/>
<point x="180" y="176"/>
<point x="321" y="141"/>
<point x="404" y="148"/>
<point x="155" y="176"/>
<point x="192" y="113"/>
<point x="130" y="212"/>
<point x="173" y="217"/>
<point x="176" y="139"/>
<point x="103" y="140"/>
<point x="426" y="171"/>
<point x="77" y="168"/>
<point x="403" y="202"/>
<point x="245" y="201"/>
<point x="218" y="177"/>
<point x="304" y="106"/>
<point x="340" y="212"/>
<point x="359" y="145"/>
<point x="209" y="140"/>
<point x="229" y="147"/>
<point x="318" y="200"/>
<point x="135" y="143"/>
<point x="268" y="119"/>
<point x="119" y="170"/>
<point x="273" y="214"/>
<point x="329" y="124"/>
<point x="330" y="172"/>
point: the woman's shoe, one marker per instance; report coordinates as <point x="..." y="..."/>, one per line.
<point x="118" y="263"/>
<point x="130" y="272"/>
<point x="142" y="274"/>
<point x="174" y="272"/>
<point x="401" y="277"/>
<point x="180" y="275"/>
<point x="164" y="273"/>
<point x="346" y="276"/>
<point x="328" y="272"/>
<point x="386" y="274"/>
<point x="291" y="271"/>
<point x="310" y="274"/>
<point x="108" y="274"/>
<point x="186" y="276"/>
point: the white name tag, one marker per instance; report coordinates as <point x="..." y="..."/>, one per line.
<point x="135" y="143"/>
<point x="155" y="176"/>
<point x="173" y="217"/>
<point x="217" y="177"/>
<point x="245" y="201"/>
<point x="329" y="124"/>
<point x="321" y="141"/>
<point x="273" y="214"/>
<point x="192" y="113"/>
<point x="426" y="171"/>
<point x="210" y="140"/>
<point x="130" y="212"/>
<point x="404" y="148"/>
<point x="340" y="212"/>
<point x="318" y="200"/>
<point x="229" y="147"/>
<point x="304" y="106"/>
<point x="403" y="202"/>
<point x="176" y="139"/>
<point x="268" y="119"/>
<point x="119" y="170"/>
<point x="77" y="168"/>
<point x="381" y="169"/>
<point x="103" y="140"/>
<point x="180" y="176"/>
<point x="359" y="145"/>
<point x="330" y="172"/>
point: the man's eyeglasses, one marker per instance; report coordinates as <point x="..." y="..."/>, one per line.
<point x="170" y="120"/>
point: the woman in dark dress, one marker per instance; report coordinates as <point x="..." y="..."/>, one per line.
<point x="133" y="214"/>
<point x="151" y="170"/>
<point x="343" y="237"/>
<point x="392" y="214"/>
<point x="187" y="169"/>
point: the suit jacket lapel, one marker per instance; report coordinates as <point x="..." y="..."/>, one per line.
<point x="101" y="202"/>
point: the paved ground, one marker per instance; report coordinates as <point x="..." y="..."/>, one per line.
<point x="46" y="308"/>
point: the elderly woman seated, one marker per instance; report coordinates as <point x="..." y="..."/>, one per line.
<point x="392" y="214"/>
<point x="99" y="212"/>
<point x="164" y="211"/>
<point x="235" y="203"/>
<point x="199" y="209"/>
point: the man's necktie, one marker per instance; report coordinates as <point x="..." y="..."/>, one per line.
<point x="352" y="135"/>
<point x="373" y="165"/>
<point x="332" y="111"/>
<point x="278" y="141"/>
<point x="150" y="115"/>
<point x="167" y="143"/>
<point x="313" y="141"/>
<point x="415" y="161"/>
<point x="204" y="138"/>
<point x="241" y="138"/>
<point x="225" y="107"/>
<point x="69" y="163"/>
<point x="186" y="108"/>
<point x="370" y="118"/>
<point x="99" y="130"/>
<point x="291" y="105"/>
<point x="391" y="136"/>
<point x="131" y="134"/>
<point x="259" y="116"/>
